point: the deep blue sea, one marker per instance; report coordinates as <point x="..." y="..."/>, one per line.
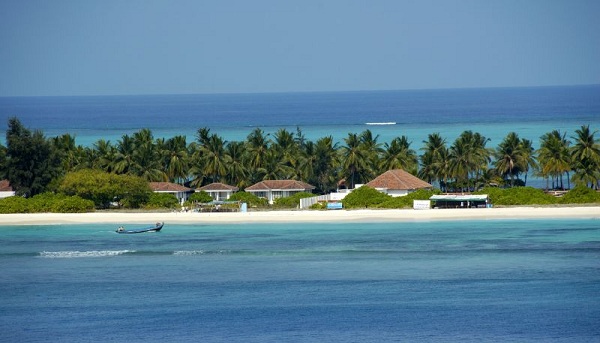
<point x="493" y="112"/>
<point x="419" y="281"/>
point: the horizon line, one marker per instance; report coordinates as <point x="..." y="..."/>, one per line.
<point x="302" y="92"/>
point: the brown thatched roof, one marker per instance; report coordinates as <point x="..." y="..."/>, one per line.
<point x="280" y="184"/>
<point x="218" y="186"/>
<point x="398" y="179"/>
<point x="5" y="186"/>
<point x="168" y="187"/>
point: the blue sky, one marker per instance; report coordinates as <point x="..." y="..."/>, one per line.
<point x="104" y="47"/>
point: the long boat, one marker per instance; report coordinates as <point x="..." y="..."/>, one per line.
<point x="154" y="228"/>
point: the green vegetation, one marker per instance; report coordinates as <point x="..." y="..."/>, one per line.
<point x="200" y="197"/>
<point x="581" y="195"/>
<point x="105" y="188"/>
<point x="117" y="174"/>
<point x="46" y="202"/>
<point x="249" y="198"/>
<point x="364" y="197"/>
<point x="407" y="201"/>
<point x="161" y="200"/>
<point x="292" y="201"/>
<point x="518" y="196"/>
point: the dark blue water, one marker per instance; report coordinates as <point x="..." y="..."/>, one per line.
<point x="494" y="112"/>
<point x="493" y="281"/>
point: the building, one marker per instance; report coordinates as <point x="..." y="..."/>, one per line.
<point x="275" y="189"/>
<point x="219" y="191"/>
<point x="5" y="189"/>
<point x="398" y="182"/>
<point x="460" y="201"/>
<point x="182" y="193"/>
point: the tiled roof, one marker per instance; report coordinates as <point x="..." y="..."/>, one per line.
<point x="168" y="187"/>
<point x="5" y="186"/>
<point x="280" y="185"/>
<point x="218" y="186"/>
<point x="398" y="179"/>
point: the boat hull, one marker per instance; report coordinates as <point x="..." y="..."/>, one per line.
<point x="156" y="228"/>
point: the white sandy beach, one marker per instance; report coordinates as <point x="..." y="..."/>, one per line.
<point x="302" y="216"/>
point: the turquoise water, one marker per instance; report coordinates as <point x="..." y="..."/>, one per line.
<point x="496" y="280"/>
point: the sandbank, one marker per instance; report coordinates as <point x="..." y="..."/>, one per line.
<point x="332" y="216"/>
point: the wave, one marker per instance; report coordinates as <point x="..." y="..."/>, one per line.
<point x="77" y="254"/>
<point x="591" y="248"/>
<point x="382" y="123"/>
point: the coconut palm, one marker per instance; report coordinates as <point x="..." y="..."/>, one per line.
<point x="398" y="155"/>
<point x="432" y="160"/>
<point x="236" y="169"/>
<point x="176" y="158"/>
<point x="215" y="157"/>
<point x="371" y="151"/>
<point x="325" y="164"/>
<point x="529" y="157"/>
<point x="585" y="155"/>
<point x="554" y="157"/>
<point x="510" y="159"/>
<point x="354" y="159"/>
<point x="257" y="145"/>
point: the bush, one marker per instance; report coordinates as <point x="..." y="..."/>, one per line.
<point x="14" y="204"/>
<point x="201" y="197"/>
<point x="103" y="188"/>
<point x="162" y="200"/>
<point x="46" y="202"/>
<point x="407" y="200"/>
<point x="518" y="196"/>
<point x="72" y="204"/>
<point x="249" y="198"/>
<point x="580" y="195"/>
<point x="292" y="201"/>
<point x="364" y="197"/>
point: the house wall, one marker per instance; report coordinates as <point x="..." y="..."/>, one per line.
<point x="6" y="194"/>
<point x="398" y="192"/>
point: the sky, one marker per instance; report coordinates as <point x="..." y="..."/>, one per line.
<point x="122" y="47"/>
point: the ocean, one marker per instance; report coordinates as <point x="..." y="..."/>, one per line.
<point x="417" y="281"/>
<point x="493" y="112"/>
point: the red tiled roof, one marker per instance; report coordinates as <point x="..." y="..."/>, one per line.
<point x="280" y="184"/>
<point x="5" y="186"/>
<point x="168" y="187"/>
<point x="218" y="186"/>
<point x="398" y="179"/>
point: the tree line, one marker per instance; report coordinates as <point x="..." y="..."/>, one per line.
<point x="34" y="164"/>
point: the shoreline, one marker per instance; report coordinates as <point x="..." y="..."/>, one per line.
<point x="306" y="216"/>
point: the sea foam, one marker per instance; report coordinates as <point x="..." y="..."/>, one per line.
<point x="77" y="254"/>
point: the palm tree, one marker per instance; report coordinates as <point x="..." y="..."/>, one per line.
<point x="102" y="156"/>
<point x="432" y="160"/>
<point x="257" y="145"/>
<point x="236" y="169"/>
<point x="353" y="158"/>
<point x="215" y="157"/>
<point x="176" y="158"/>
<point x="371" y="151"/>
<point x="529" y="157"/>
<point x="510" y="160"/>
<point x="399" y="155"/>
<point x="554" y="157"/>
<point x="325" y="164"/>
<point x="122" y="162"/>
<point x="146" y="157"/>
<point x="585" y="155"/>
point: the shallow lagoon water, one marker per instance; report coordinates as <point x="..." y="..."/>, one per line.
<point x="500" y="280"/>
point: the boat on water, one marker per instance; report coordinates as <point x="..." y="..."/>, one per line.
<point x="155" y="228"/>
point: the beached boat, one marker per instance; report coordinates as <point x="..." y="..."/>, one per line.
<point x="154" y="228"/>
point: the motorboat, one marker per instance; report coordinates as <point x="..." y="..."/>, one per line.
<point x="156" y="228"/>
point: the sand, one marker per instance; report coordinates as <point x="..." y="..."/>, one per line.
<point x="337" y="216"/>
